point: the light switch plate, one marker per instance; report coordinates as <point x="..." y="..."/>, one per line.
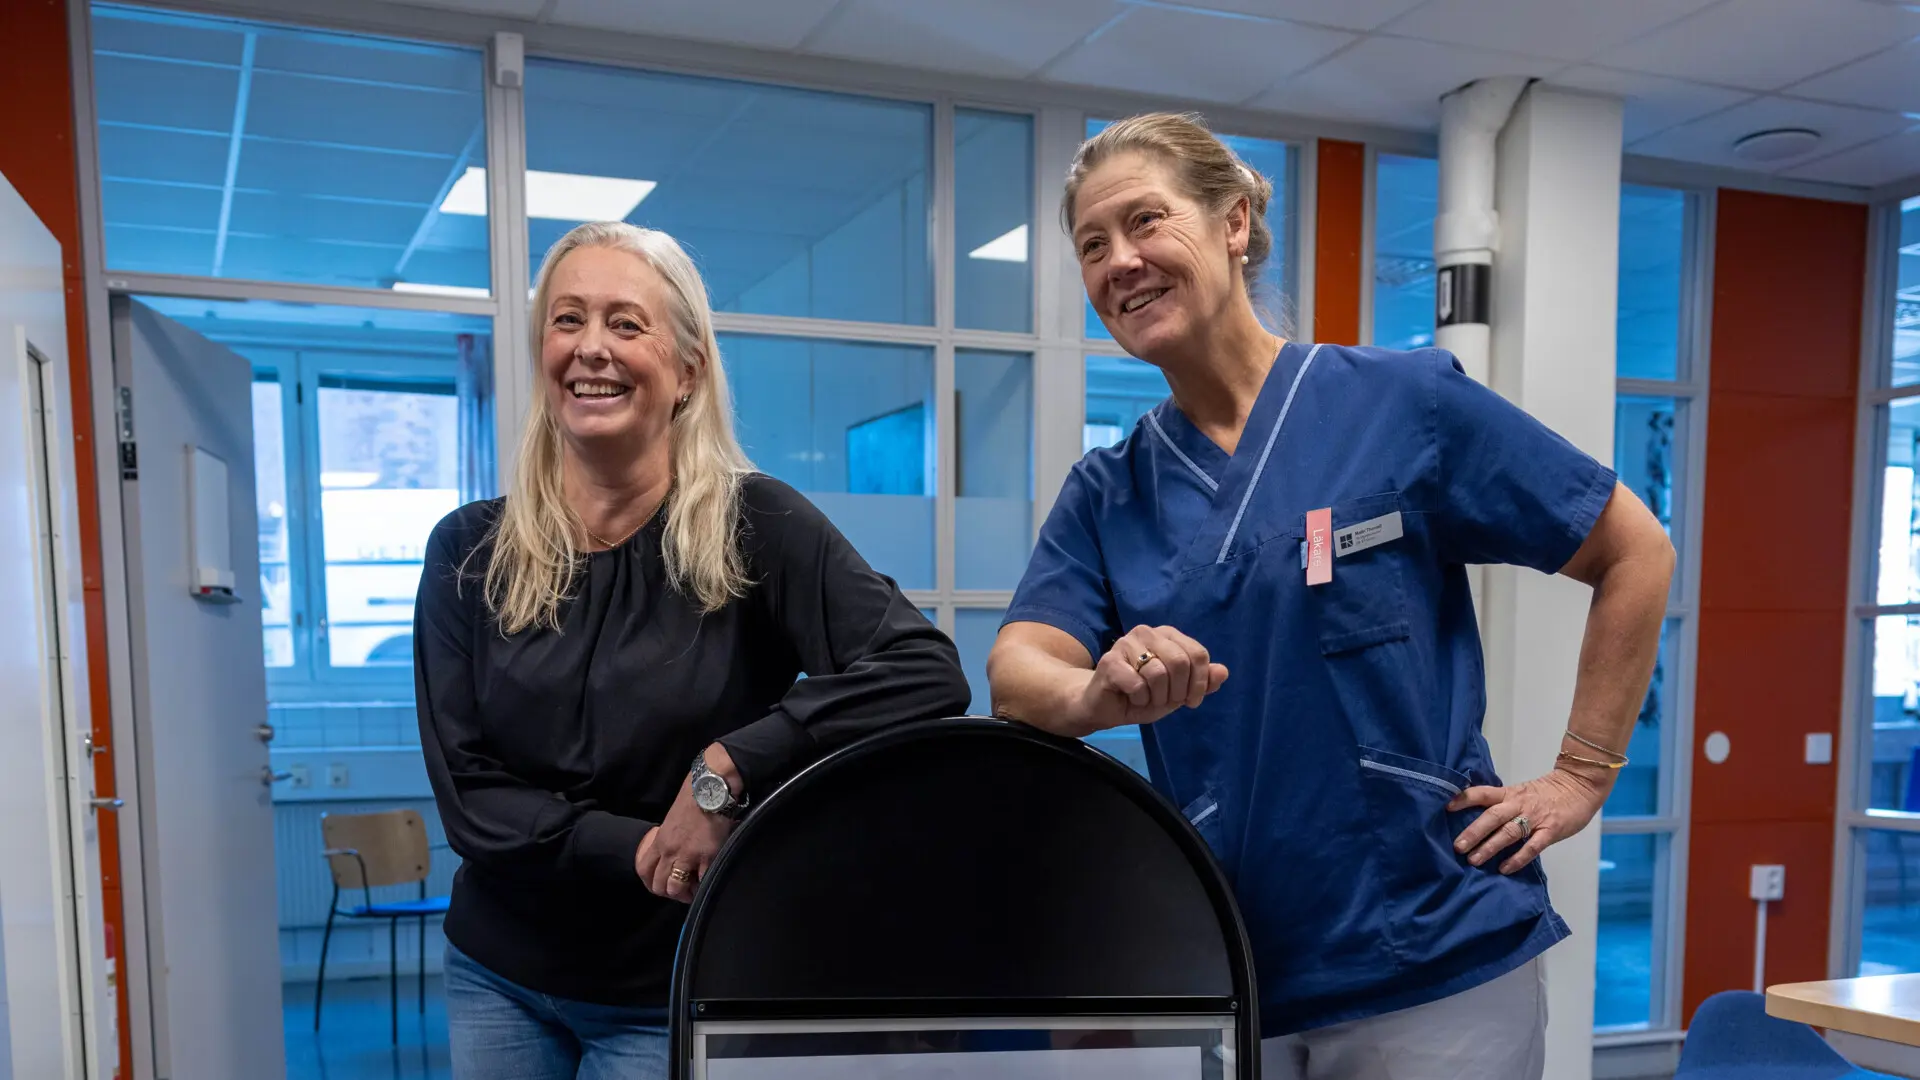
<point x="1819" y="748"/>
<point x="1767" y="882"/>
<point x="302" y="777"/>
<point x="336" y="776"/>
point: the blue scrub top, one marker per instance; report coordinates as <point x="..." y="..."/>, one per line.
<point x="1320" y="772"/>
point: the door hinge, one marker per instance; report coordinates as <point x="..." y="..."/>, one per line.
<point x="129" y="452"/>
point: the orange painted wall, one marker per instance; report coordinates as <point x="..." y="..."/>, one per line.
<point x="1788" y="284"/>
<point x="37" y="158"/>
<point x="1339" y="230"/>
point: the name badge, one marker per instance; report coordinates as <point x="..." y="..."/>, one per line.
<point x="1319" y="559"/>
<point x="1367" y="534"/>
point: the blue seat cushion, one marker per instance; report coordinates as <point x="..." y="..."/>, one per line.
<point x="432" y="905"/>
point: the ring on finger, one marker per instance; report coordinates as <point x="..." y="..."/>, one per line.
<point x="1146" y="657"/>
<point x="678" y="874"/>
<point x="1526" y="827"/>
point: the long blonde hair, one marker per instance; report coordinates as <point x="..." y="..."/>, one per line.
<point x="534" y="556"/>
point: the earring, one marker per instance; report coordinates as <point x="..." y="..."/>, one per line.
<point x="1243" y="260"/>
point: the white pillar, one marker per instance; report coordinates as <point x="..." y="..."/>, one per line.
<point x="1554" y="280"/>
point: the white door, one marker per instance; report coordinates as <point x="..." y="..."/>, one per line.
<point x="200" y="702"/>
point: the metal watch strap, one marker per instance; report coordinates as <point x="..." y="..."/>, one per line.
<point x="736" y="806"/>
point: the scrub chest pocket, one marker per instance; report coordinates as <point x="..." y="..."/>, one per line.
<point x="1366" y="602"/>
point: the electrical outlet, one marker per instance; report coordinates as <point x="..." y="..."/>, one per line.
<point x="1819" y="748"/>
<point x="1768" y="883"/>
<point x="300" y="777"/>
<point x="336" y="776"/>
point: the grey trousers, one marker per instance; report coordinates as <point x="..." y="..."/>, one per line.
<point x="1495" y="1031"/>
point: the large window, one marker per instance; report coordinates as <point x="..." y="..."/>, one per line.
<point x="1884" y="806"/>
<point x="244" y="150"/>
<point x="369" y="426"/>
<point x="1660" y="380"/>
<point x="1406" y="195"/>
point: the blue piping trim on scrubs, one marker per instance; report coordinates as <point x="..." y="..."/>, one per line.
<point x="1212" y="484"/>
<point x="1435" y="781"/>
<point x="1261" y="465"/>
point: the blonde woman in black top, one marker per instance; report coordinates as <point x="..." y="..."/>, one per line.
<point x="606" y="665"/>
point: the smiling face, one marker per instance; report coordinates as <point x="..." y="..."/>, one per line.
<point x="1158" y="267"/>
<point x="608" y="354"/>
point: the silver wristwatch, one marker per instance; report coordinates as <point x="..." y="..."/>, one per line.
<point x="711" y="793"/>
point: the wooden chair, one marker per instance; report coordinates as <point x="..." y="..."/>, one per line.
<point x="368" y="851"/>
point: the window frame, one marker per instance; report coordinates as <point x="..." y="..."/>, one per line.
<point x="311" y="678"/>
<point x="1673" y="819"/>
<point x="1853" y="819"/>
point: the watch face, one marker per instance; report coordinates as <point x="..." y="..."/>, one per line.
<point x="710" y="793"/>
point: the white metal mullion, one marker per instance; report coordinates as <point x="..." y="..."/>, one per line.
<point x="729" y="322"/>
<point x="1869" y="448"/>
<point x="1306" y="217"/>
<point x="508" y="246"/>
<point x="1884" y="820"/>
<point x="945" y="426"/>
<point x="1682" y="390"/>
<point x="1640" y="826"/>
<point x="1059" y="375"/>
<point x="1369" y="216"/>
<point x="202" y="288"/>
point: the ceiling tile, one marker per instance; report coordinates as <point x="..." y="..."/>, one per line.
<point x="996" y="38"/>
<point x="1888" y="80"/>
<point x="1654" y="103"/>
<point x="1563" y="31"/>
<point x="1393" y="81"/>
<point x="1767" y="44"/>
<point x="1346" y="14"/>
<point x="1185" y="53"/>
<point x="1876" y="163"/>
<point x="753" y="23"/>
<point x="1710" y="140"/>
<point x="513" y="9"/>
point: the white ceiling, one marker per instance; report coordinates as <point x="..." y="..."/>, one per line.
<point x="1695" y="74"/>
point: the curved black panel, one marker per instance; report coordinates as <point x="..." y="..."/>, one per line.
<point x="964" y="859"/>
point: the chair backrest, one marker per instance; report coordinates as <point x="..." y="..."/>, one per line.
<point x="392" y="844"/>
<point x="1733" y="1029"/>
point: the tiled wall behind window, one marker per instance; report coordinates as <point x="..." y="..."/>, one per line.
<point x="327" y="724"/>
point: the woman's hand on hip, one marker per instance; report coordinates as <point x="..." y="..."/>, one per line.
<point x="1148" y="673"/>
<point x="1555" y="806"/>
<point x="686" y="841"/>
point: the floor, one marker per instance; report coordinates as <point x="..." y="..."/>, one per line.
<point x="356" y="1037"/>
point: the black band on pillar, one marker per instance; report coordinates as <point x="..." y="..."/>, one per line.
<point x="1462" y="294"/>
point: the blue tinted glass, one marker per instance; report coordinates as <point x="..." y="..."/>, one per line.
<point x="792" y="202"/>
<point x="1649" y="453"/>
<point x="973" y="632"/>
<point x="1406" y="196"/>
<point x="1906" y="307"/>
<point x="1890" y="913"/>
<point x="1653" y="243"/>
<point x="1893" y="780"/>
<point x="1631" y="876"/>
<point x="1274" y="160"/>
<point x="993" y="220"/>
<point x="850" y="425"/>
<point x="245" y="150"/>
<point x="1119" y="391"/>
<point x="993" y="517"/>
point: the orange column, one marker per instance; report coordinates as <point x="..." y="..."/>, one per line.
<point x="1789" y="281"/>
<point x="1339" y="227"/>
<point x="37" y="157"/>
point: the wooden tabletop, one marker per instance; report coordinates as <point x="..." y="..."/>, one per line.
<point x="1877" y="1006"/>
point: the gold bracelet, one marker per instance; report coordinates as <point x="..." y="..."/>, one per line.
<point x="1621" y="764"/>
<point x="1577" y="737"/>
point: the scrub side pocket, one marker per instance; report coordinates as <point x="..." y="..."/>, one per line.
<point x="1407" y="801"/>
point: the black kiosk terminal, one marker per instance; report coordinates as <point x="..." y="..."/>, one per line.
<point x="961" y="900"/>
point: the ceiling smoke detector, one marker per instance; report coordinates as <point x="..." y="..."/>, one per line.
<point x="1778" y="144"/>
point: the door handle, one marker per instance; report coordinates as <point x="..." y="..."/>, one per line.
<point x="106" y="804"/>
<point x="268" y="776"/>
<point x="265" y="731"/>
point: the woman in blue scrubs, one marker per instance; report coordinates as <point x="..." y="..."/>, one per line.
<point x="1269" y="575"/>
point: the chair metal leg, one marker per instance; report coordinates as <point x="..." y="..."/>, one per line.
<point x="320" y="984"/>
<point x="393" y="975"/>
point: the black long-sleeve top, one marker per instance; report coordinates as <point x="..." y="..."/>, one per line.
<point x="552" y="753"/>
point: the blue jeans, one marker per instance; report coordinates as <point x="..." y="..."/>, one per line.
<point x="501" y="1030"/>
